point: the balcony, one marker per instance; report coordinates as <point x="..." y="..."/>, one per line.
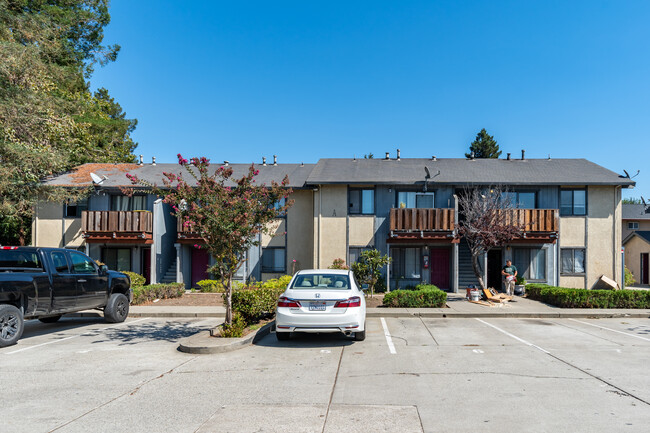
<point x="117" y="226"/>
<point x="422" y="224"/>
<point x="185" y="235"/>
<point x="538" y="224"/>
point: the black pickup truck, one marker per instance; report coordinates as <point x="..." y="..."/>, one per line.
<point x="45" y="283"/>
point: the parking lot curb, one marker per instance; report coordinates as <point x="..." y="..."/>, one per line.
<point x="202" y="343"/>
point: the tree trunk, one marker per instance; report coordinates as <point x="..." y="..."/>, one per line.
<point x="477" y="270"/>
<point x="229" y="301"/>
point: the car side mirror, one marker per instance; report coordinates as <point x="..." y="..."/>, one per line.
<point x="103" y="270"/>
<point x="365" y="287"/>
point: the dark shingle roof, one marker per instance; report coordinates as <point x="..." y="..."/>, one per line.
<point x="116" y="174"/>
<point x="645" y="235"/>
<point x="465" y="171"/>
<point x="635" y="212"/>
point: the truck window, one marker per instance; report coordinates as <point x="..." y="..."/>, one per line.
<point x="19" y="259"/>
<point x="60" y="262"/>
<point x="82" y="264"/>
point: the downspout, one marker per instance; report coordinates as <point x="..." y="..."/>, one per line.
<point x="320" y="212"/>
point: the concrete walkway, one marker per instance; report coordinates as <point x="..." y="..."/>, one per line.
<point x="457" y="306"/>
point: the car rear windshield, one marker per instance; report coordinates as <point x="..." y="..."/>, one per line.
<point x="329" y="281"/>
<point x="18" y="260"/>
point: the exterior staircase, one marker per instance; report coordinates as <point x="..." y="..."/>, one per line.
<point x="465" y="271"/>
<point x="170" y="275"/>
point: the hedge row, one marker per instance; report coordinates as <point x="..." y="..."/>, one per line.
<point x="583" y="298"/>
<point x="255" y="304"/>
<point x="424" y="296"/>
<point x="142" y="294"/>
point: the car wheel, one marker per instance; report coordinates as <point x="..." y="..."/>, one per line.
<point x="361" y="335"/>
<point x="11" y="325"/>
<point x="50" y="319"/>
<point x="283" y="336"/>
<point x="117" y="308"/>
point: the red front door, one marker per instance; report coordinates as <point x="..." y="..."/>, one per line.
<point x="439" y="262"/>
<point x="200" y="262"/>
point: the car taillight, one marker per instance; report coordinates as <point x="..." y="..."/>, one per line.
<point x="354" y="301"/>
<point x="286" y="302"/>
<point x="8" y="248"/>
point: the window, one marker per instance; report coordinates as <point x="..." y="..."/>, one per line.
<point x="573" y="202"/>
<point x="11" y="258"/>
<point x="362" y="201"/>
<point x="273" y="260"/>
<point x="60" y="262"/>
<point x="573" y="261"/>
<point x="355" y="253"/>
<point x="82" y="264"/>
<point x="410" y="199"/>
<point x="634" y="225"/>
<point x="530" y="263"/>
<point x="126" y="203"/>
<point x="521" y="200"/>
<point x="406" y="262"/>
<point x="279" y="204"/>
<point x="330" y="281"/>
<point x="74" y="209"/>
<point x="117" y="259"/>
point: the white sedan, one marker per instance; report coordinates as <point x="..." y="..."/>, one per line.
<point x="322" y="300"/>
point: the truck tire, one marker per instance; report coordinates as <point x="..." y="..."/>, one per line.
<point x="117" y="308"/>
<point x="11" y="325"/>
<point x="51" y="319"/>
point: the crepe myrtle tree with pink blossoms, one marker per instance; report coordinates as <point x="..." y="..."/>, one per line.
<point x="227" y="213"/>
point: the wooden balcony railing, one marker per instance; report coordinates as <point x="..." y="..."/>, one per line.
<point x="535" y="220"/>
<point x="185" y="234"/>
<point x="128" y="225"/>
<point x="426" y="220"/>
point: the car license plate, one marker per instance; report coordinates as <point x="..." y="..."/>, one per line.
<point x="317" y="306"/>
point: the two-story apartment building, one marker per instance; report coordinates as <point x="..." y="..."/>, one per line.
<point x="406" y="208"/>
<point x="636" y="241"/>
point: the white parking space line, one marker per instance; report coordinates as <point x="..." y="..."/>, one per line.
<point x="609" y="329"/>
<point x="513" y="336"/>
<point x="389" y="340"/>
<point x="74" y="336"/>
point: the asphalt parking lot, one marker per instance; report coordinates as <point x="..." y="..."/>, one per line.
<point x="410" y="375"/>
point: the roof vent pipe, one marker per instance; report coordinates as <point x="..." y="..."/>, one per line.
<point x="153" y="160"/>
<point x="508" y="157"/>
<point x="472" y="155"/>
<point x="523" y="154"/>
<point x="264" y="161"/>
<point x="302" y="164"/>
<point x="398" y="155"/>
<point x="275" y="159"/>
<point x="141" y="161"/>
<point x="226" y="163"/>
<point x="433" y="158"/>
<point x="387" y="155"/>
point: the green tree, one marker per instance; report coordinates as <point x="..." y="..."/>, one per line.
<point x="484" y="146"/>
<point x="227" y="213"/>
<point x="631" y="200"/>
<point x="49" y="119"/>
<point x="367" y="269"/>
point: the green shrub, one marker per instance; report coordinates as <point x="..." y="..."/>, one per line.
<point x="255" y="304"/>
<point x="424" y="296"/>
<point x="137" y="280"/>
<point x="210" y="286"/>
<point x="234" y="330"/>
<point x="629" y="278"/>
<point x="582" y="298"/>
<point x="144" y="294"/>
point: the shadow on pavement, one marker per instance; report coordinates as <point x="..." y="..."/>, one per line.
<point x="143" y="332"/>
<point x="35" y="328"/>
<point x="305" y="340"/>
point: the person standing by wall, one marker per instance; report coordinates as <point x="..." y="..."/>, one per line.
<point x="509" y="271"/>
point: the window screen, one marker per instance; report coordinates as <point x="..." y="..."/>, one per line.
<point x="273" y="260"/>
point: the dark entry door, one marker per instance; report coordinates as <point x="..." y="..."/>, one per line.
<point x="645" y="279"/>
<point x="200" y="262"/>
<point x="440" y="267"/>
<point x="495" y="264"/>
<point x="146" y="265"/>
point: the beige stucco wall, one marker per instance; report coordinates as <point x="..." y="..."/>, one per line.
<point x="300" y="225"/>
<point x="361" y="231"/>
<point x="633" y="249"/>
<point x="48" y="229"/>
<point x="603" y="233"/>
<point x="277" y="236"/>
<point x="330" y="224"/>
<point x="644" y="225"/>
<point x="572" y="282"/>
<point x="572" y="231"/>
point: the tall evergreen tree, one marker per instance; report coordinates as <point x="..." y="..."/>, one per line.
<point x="49" y="119"/>
<point x="484" y="146"/>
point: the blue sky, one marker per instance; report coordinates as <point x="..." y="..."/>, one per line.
<point x="311" y="79"/>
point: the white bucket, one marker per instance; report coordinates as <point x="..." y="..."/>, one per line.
<point x="474" y="295"/>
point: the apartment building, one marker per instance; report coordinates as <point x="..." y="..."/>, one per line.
<point x="636" y="240"/>
<point x="406" y="208"/>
